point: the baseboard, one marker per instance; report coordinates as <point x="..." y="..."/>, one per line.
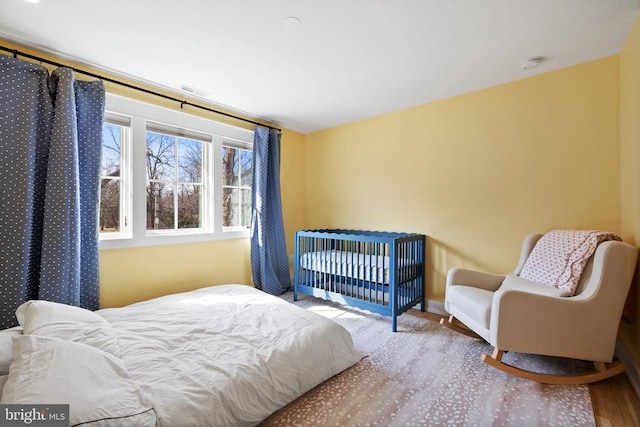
<point x="632" y="369"/>
<point x="436" y="307"/>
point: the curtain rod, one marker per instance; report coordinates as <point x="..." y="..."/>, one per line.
<point x="17" y="53"/>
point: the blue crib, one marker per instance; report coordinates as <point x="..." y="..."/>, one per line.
<point x="382" y="272"/>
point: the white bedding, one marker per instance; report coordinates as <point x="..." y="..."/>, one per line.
<point x="348" y="264"/>
<point x="225" y="355"/>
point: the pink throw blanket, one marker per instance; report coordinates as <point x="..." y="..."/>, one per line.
<point x="559" y="257"/>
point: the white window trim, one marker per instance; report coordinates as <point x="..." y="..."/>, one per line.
<point x="140" y="113"/>
<point x="241" y="145"/>
<point x="205" y="181"/>
<point x="125" y="180"/>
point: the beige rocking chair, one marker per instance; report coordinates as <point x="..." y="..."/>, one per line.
<point x="515" y="314"/>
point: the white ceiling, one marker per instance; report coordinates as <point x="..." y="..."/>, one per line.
<point x="349" y="60"/>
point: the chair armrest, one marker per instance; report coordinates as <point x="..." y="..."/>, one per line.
<point x="534" y="320"/>
<point x="527" y="246"/>
<point x="530" y="319"/>
<point x="476" y="279"/>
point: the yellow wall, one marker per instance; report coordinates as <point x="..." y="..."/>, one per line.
<point x="477" y="172"/>
<point x="137" y="274"/>
<point x="293" y="185"/>
<point x="630" y="171"/>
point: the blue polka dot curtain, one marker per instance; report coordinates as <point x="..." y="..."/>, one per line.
<point x="50" y="147"/>
<point x="269" y="264"/>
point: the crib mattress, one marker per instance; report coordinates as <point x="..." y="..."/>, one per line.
<point x="370" y="268"/>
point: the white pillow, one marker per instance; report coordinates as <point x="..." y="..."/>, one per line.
<point x="6" y="343"/>
<point x="67" y="322"/>
<point x="94" y="383"/>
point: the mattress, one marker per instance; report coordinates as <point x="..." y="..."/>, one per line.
<point x="370" y="268"/>
<point x="226" y="355"/>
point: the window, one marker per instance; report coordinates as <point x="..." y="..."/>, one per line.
<point x="170" y="177"/>
<point x="114" y="213"/>
<point x="237" y="170"/>
<point x="174" y="181"/>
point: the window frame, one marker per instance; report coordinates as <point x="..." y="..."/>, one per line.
<point x="236" y="145"/>
<point x="142" y="113"/>
<point x="125" y="177"/>
<point x="175" y="182"/>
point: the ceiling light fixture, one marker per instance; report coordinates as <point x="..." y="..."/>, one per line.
<point x="532" y="63"/>
<point x="291" y="23"/>
<point x="33" y="1"/>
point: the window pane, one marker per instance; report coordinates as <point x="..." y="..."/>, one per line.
<point x="111" y="148"/>
<point x="160" y="206"/>
<point x="189" y="160"/>
<point x="230" y="217"/>
<point x="246" y="207"/>
<point x="189" y="206"/>
<point x="160" y="156"/>
<point x="229" y="166"/>
<point x="109" y="205"/>
<point x="246" y="168"/>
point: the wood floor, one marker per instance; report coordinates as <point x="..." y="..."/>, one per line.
<point x="615" y="402"/>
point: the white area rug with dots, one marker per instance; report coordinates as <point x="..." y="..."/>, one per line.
<point x="428" y="375"/>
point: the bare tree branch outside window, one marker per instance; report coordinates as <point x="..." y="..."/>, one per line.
<point x="110" y="183"/>
<point x="237" y="173"/>
<point x="174" y="182"/>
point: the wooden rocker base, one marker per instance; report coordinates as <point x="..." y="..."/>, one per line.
<point x="455" y="325"/>
<point x="601" y="371"/>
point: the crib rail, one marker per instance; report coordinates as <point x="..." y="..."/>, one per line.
<point x="378" y="271"/>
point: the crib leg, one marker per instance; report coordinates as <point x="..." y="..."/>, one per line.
<point x="422" y="304"/>
<point x="295" y="293"/>
<point x="394" y="323"/>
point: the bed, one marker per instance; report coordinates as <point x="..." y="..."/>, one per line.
<point x="226" y="355"/>
<point x="382" y="272"/>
